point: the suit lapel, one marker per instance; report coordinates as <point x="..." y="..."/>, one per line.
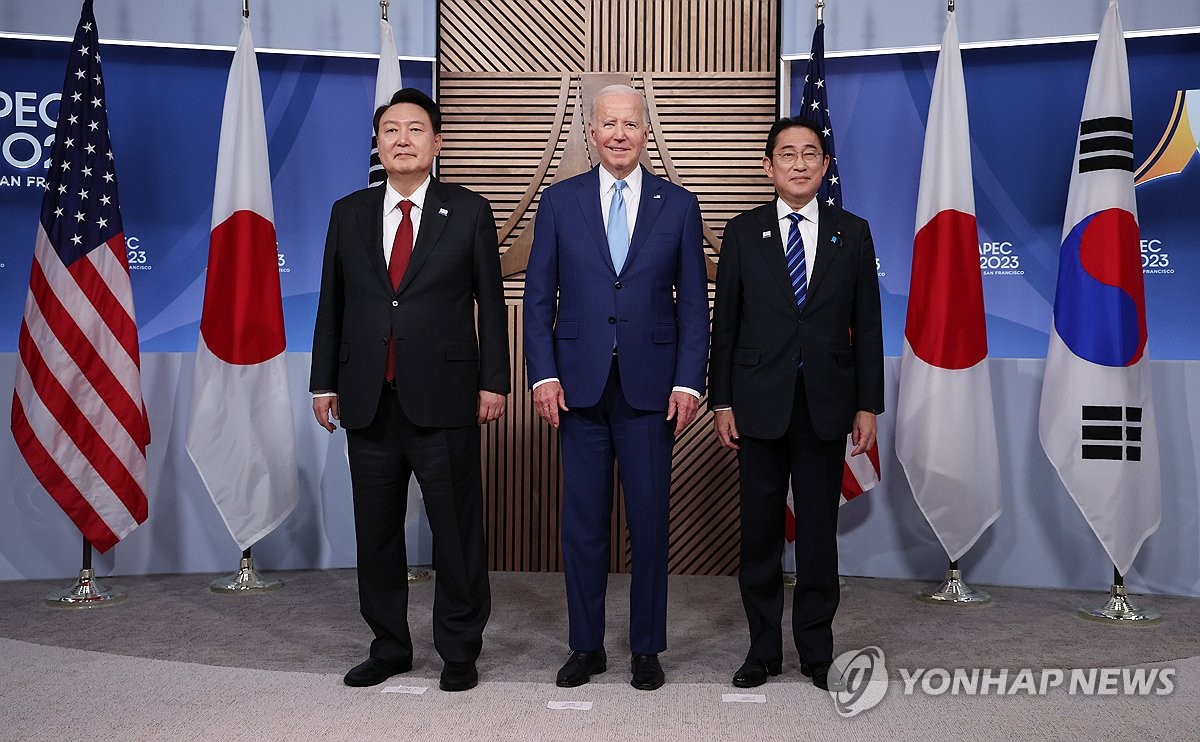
<point x="588" y="194"/>
<point x="370" y="228"/>
<point x="771" y="248"/>
<point x="649" y="206"/>
<point x="828" y="244"/>
<point x="434" y="213"/>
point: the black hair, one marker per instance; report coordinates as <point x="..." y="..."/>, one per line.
<point x="417" y="98"/>
<point x="790" y="122"/>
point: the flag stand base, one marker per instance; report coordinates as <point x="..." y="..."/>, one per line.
<point x="1120" y="610"/>
<point x="85" y="593"/>
<point x="417" y="575"/>
<point x="245" y="582"/>
<point x="954" y="591"/>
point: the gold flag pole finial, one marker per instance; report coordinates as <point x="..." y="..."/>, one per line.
<point x="820" y="11"/>
<point x="383" y="8"/>
<point x="245" y="8"/>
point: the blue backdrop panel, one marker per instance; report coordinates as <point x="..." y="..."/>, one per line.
<point x="1024" y="105"/>
<point x="164" y="109"/>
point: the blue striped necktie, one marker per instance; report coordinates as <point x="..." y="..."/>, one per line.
<point x="795" y="260"/>
<point x="618" y="228"/>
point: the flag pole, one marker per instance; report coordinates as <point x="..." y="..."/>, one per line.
<point x="87" y="590"/>
<point x="954" y="590"/>
<point x="245" y="8"/>
<point x="383" y="9"/>
<point x="1120" y="609"/>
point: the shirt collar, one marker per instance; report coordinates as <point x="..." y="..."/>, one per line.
<point x="809" y="211"/>
<point x="633" y="181"/>
<point x="392" y="197"/>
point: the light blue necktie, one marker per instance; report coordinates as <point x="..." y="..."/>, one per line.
<point x="795" y="260"/>
<point x="618" y="228"/>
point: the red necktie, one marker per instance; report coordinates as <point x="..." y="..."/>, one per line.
<point x="402" y="248"/>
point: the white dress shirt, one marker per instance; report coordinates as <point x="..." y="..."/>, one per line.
<point x="392" y="216"/>
<point x="632" y="195"/>
<point x="808" y="230"/>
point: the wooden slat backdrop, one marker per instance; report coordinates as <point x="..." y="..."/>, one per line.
<point x="514" y="83"/>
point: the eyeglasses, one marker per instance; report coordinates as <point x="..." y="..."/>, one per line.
<point x="810" y="157"/>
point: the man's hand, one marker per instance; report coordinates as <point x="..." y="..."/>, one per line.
<point x="548" y="401"/>
<point x="726" y="429"/>
<point x="323" y="407"/>
<point x="863" y="434"/>
<point x="491" y="407"/>
<point x="682" y="409"/>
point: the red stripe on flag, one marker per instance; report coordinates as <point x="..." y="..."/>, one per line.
<point x="56" y="482"/>
<point x="79" y="428"/>
<point x="850" y="486"/>
<point x="100" y="294"/>
<point x="99" y="375"/>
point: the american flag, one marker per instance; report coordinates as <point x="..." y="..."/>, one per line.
<point x="77" y="414"/>
<point x="860" y="473"/>
<point x="815" y="106"/>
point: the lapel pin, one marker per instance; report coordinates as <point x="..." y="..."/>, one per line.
<point x="443" y="212"/>
<point x="767" y="234"/>
<point x="658" y="195"/>
<point x="836" y="239"/>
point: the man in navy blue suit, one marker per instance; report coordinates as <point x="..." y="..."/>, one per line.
<point x="616" y="338"/>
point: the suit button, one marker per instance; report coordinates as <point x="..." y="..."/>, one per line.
<point x="618" y="285"/>
<point x="612" y="320"/>
<point x="395" y="303"/>
<point x="383" y="341"/>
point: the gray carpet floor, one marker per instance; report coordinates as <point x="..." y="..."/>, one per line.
<point x="177" y="662"/>
<point x="312" y="625"/>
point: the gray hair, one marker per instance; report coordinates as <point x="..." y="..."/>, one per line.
<point x="619" y="89"/>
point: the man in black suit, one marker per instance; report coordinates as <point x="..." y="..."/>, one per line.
<point x="797" y="363"/>
<point x="400" y="359"/>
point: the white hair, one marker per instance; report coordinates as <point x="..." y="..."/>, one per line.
<point x="619" y="89"/>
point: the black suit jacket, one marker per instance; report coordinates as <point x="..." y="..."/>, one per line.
<point x="759" y="334"/>
<point x="441" y="360"/>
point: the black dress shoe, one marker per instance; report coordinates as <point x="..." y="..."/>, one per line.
<point x="647" y="673"/>
<point x="818" y="671"/>
<point x="374" y="671"/>
<point x="754" y="673"/>
<point x="580" y="668"/>
<point x="458" y="676"/>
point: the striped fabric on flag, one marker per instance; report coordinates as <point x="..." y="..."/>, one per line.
<point x="77" y="413"/>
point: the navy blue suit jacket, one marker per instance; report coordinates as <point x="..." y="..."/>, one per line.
<point x="655" y="309"/>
